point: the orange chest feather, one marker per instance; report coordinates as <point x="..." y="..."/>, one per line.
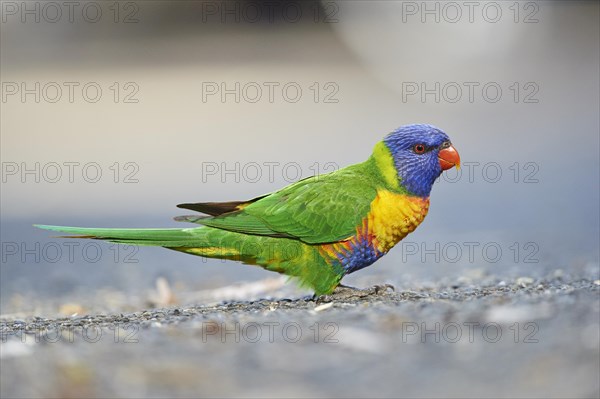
<point x="393" y="216"/>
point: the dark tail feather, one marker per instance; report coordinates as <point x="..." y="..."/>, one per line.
<point x="219" y="208"/>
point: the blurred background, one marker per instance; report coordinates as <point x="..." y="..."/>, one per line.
<point x="114" y="112"/>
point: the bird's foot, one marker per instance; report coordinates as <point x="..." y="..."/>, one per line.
<point x="344" y="292"/>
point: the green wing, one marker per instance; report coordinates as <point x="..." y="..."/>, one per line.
<point x="320" y="209"/>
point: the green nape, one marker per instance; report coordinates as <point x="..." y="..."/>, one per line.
<point x="383" y="169"/>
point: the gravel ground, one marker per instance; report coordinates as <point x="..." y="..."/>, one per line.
<point x="525" y="338"/>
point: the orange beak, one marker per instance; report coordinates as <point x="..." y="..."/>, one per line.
<point x="449" y="158"/>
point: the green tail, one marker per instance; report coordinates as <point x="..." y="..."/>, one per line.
<point x="152" y="237"/>
<point x="282" y="255"/>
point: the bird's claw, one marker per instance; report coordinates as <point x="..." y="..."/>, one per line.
<point x="344" y="292"/>
<point x="382" y="288"/>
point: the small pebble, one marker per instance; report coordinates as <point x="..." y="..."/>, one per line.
<point x="524" y="281"/>
<point x="323" y="307"/>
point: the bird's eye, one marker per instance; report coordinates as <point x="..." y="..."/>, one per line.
<point x="419" y="148"/>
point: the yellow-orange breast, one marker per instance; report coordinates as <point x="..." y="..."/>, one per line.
<point x="393" y="216"/>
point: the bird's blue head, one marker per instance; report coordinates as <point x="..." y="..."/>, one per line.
<point x="420" y="153"/>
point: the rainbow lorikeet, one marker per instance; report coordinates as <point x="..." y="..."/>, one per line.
<point x="319" y="228"/>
